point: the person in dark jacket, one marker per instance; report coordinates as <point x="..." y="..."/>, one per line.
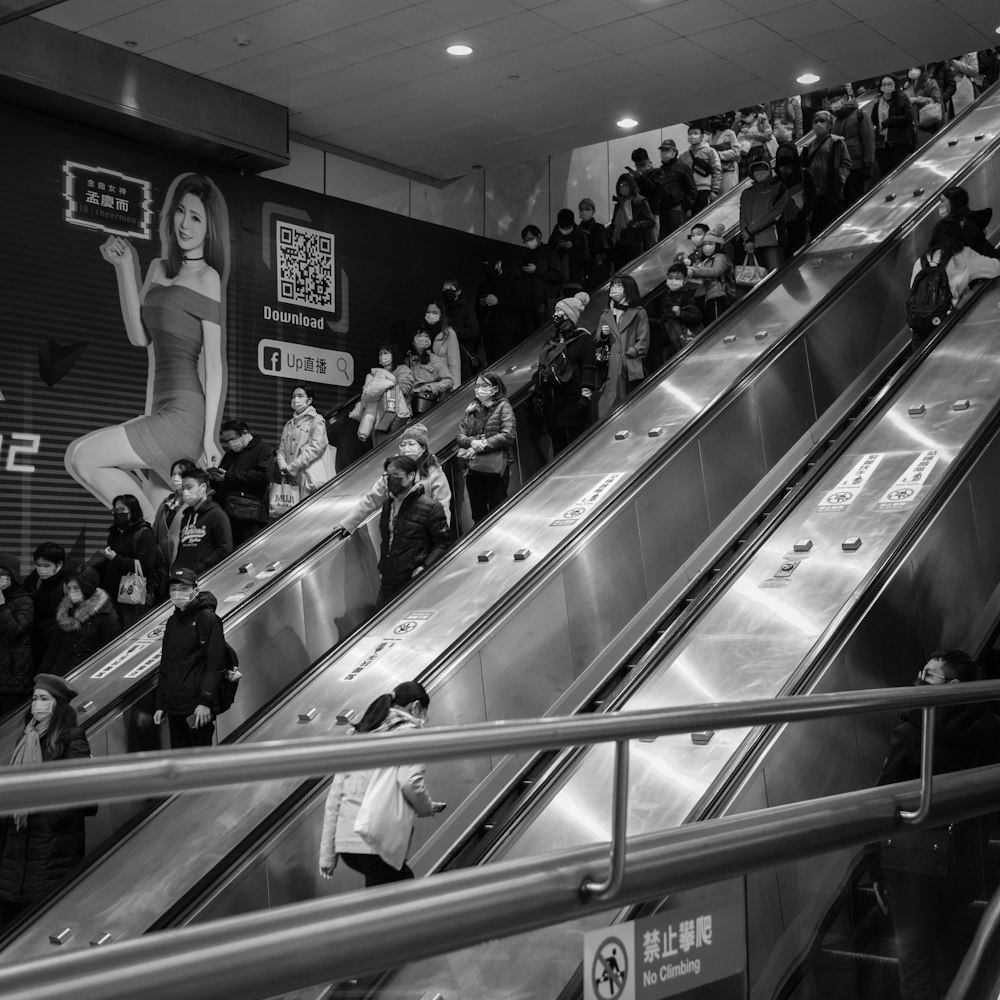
<point x="500" y="299"/>
<point x="679" y="189"/>
<point x="462" y="319"/>
<point x="828" y="159"/>
<point x="928" y="910"/>
<point x="206" y="538"/>
<point x="895" y="130"/>
<point x="675" y="318"/>
<point x="856" y="128"/>
<point x="801" y="188"/>
<point x="631" y="229"/>
<point x="565" y="379"/>
<point x="947" y="83"/>
<point x="414" y="529"/>
<point x="192" y="662"/>
<point x="974" y="222"/>
<point x="486" y="436"/>
<point x="45" y="584"/>
<point x="541" y="277"/>
<point x="17" y="615"/>
<point x="167" y="522"/>
<point x="85" y="621"/>
<point x="762" y="216"/>
<point x="243" y="479"/>
<point x="570" y="243"/>
<point x="39" y="849"/>
<point x="130" y="541"/>
<point x="597" y="244"/>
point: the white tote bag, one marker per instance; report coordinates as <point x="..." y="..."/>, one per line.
<point x="132" y="589"/>
<point x="385" y="819"/>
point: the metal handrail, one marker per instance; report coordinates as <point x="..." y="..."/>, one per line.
<point x="259" y="955"/>
<point x="129" y="776"/>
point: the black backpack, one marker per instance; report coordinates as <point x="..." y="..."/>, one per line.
<point x="231" y="675"/>
<point x="929" y="301"/>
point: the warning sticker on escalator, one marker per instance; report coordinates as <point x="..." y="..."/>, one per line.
<point x="905" y="489"/>
<point x="382" y="646"/>
<point x="144" y="667"/>
<point x="112" y="665"/>
<point x="586" y="503"/>
<point x="845" y="492"/>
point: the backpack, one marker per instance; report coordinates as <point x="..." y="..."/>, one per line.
<point x="231" y="675"/>
<point x="929" y="301"/>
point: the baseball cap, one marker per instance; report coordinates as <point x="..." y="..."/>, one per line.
<point x="184" y="575"/>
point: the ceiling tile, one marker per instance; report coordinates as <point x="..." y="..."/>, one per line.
<point x="734" y="38"/>
<point x="469" y="13"/>
<point x="806" y="19"/>
<point x="861" y="65"/>
<point x="644" y="6"/>
<point x="148" y="28"/>
<point x="316" y="91"/>
<point x="86" y="13"/>
<point x="771" y="59"/>
<point x="411" y="26"/>
<point x="500" y="69"/>
<point x="697" y="15"/>
<point x="922" y="22"/>
<point x="679" y="54"/>
<point x="298" y="21"/>
<point x="606" y="73"/>
<point x="975" y="10"/>
<point x="272" y="68"/>
<point x="353" y="44"/>
<point x="562" y="53"/>
<point x="962" y="38"/>
<point x="191" y="56"/>
<point x="525" y="28"/>
<point x="240" y="9"/>
<point x="554" y="87"/>
<point x="754" y="8"/>
<point x="404" y="65"/>
<point x="871" y="8"/>
<point x="260" y="40"/>
<point x="842" y="41"/>
<point x="578" y="15"/>
<point x="629" y="35"/>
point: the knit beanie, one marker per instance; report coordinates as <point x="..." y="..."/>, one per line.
<point x="574" y="306"/>
<point x="12" y="564"/>
<point x="587" y="203"/>
<point x="87" y="579"/>
<point x="55" y="686"/>
<point x="565" y="217"/>
<point x="418" y="433"/>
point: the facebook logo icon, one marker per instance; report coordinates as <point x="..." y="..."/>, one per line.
<point x="268" y="358"/>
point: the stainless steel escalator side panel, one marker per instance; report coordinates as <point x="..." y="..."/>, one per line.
<point x="374" y="663"/>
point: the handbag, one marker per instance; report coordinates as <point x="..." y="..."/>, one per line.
<point x="493" y="463"/>
<point x="749" y="273"/>
<point x="240" y="507"/>
<point x="929" y="115"/>
<point x="385" y="819"/>
<point x="924" y="852"/>
<point x="284" y="496"/>
<point x="132" y="589"/>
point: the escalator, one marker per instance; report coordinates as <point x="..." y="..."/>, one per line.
<point x="892" y="552"/>
<point x="470" y="673"/>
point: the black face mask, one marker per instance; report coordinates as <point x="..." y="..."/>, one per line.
<point x="449" y="294"/>
<point x="121" y="520"/>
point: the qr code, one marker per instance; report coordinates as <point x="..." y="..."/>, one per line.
<point x="305" y="267"/>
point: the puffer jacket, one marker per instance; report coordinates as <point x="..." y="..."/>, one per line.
<point x="856" y="129"/>
<point x="192" y="660"/>
<point x="81" y="630"/>
<point x="37" y="858"/>
<point x="494" y="423"/>
<point x="435" y="484"/>
<point x="419" y="538"/>
<point x="17" y="616"/>
<point x="348" y="792"/>
<point x="762" y="213"/>
<point x="715" y="273"/>
<point x="306" y="449"/>
<point x="431" y="375"/>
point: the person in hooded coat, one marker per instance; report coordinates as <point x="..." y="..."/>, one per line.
<point x="624" y="328"/>
<point x="85" y="621"/>
<point x="541" y="278"/>
<point x="675" y="318"/>
<point x="39" y="849"/>
<point x="801" y="188"/>
<point x="206" y="536"/>
<point x="130" y="541"/>
<point x="17" y="616"/>
<point x="632" y="225"/>
<point x="45" y="584"/>
<point x="974" y="222"/>
<point x="762" y="216"/>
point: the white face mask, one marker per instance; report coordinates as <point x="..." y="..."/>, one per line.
<point x="944" y="210"/>
<point x="299" y="403"/>
<point x="182" y="599"/>
<point x="484" y="393"/>
<point x="5" y="581"/>
<point x="531" y="244"/>
<point x="41" y="709"/>
<point x="709" y="249"/>
<point x="674" y="284"/>
<point x="46" y="572"/>
<point x="431" y="318"/>
<point x="411" y="448"/>
<point x="422" y="343"/>
<point x="616" y="292"/>
<point x="914" y="74"/>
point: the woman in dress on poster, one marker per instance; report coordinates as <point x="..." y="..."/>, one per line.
<point x="178" y="315"/>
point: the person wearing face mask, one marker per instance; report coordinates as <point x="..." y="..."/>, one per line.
<point x="679" y="189"/>
<point x="631" y="229"/>
<point x="598" y="251"/>
<point x="432" y="379"/>
<point x="379" y="850"/>
<point x="167" y="523"/>
<point x="500" y="308"/>
<point x="924" y="94"/>
<point x="944" y="77"/>
<point x="893" y="120"/>
<point x="954" y="205"/>
<point x="444" y="341"/>
<point x="762" y="216"/>
<point x="414" y="529"/>
<point x="785" y="115"/>
<point x="541" y="276"/>
<point x="384" y="406"/>
<point x="850" y="122"/>
<point x="801" y="188"/>
<point x="929" y="906"/>
<point x="38" y="850"/>
<point x="192" y="662"/>
<point x="17" y="615"/>
<point x="624" y="327"/>
<point x="461" y="317"/>
<point x="413" y="443"/>
<point x="715" y="270"/>
<point x="723" y="140"/>
<point x="131" y="547"/>
<point x="206" y="537"/>
<point x="571" y="245"/>
<point x="565" y="379"/>
<point x="691" y="255"/>
<point x="242" y="480"/>
<point x="675" y="319"/>
<point x="754" y="136"/>
<point x="828" y="159"/>
<point x="45" y="584"/>
<point x="486" y="436"/>
<point x="705" y="165"/>
<point x="85" y="621"/>
<point x="304" y="455"/>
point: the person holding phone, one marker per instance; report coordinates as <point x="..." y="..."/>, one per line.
<point x="192" y="662"/>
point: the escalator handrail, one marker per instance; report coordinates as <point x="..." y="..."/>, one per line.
<point x="262" y="954"/>
<point x="128" y="776"/>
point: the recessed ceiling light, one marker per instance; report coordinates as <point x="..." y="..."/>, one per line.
<point x="807" y="78"/>
<point x="459" y="50"/>
<point x="627" y="123"/>
<point x="130" y="43"/>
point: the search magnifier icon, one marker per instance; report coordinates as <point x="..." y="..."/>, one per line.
<point x="342" y="365"/>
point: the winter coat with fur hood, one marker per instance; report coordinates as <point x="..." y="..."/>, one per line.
<point x="81" y="630"/>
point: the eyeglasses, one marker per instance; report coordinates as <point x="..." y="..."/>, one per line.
<point x="935" y="675"/>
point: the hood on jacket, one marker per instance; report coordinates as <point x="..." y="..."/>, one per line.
<point x="397" y="718"/>
<point x="70" y="616"/>
<point x="848" y="108"/>
<point x="12" y="564"/>
<point x="309" y="413"/>
<point x="205" y="599"/>
<point x="980" y="216"/>
<point x="960" y="726"/>
<point x="207" y="506"/>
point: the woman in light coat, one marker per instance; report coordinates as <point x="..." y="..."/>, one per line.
<point x="624" y="327"/>
<point x="304" y="455"/>
<point x="378" y="851"/>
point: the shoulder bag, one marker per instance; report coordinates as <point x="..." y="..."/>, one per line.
<point x="284" y="496"/>
<point x="132" y="589"/>
<point x="385" y="819"/>
<point x="749" y="273"/>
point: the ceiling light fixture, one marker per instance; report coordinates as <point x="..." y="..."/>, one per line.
<point x="459" y="50"/>
<point x="627" y="123"/>
<point x="807" y="78"/>
<point x="130" y="43"/>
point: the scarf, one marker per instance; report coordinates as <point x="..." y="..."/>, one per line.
<point x="623" y="216"/>
<point x="28" y="751"/>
